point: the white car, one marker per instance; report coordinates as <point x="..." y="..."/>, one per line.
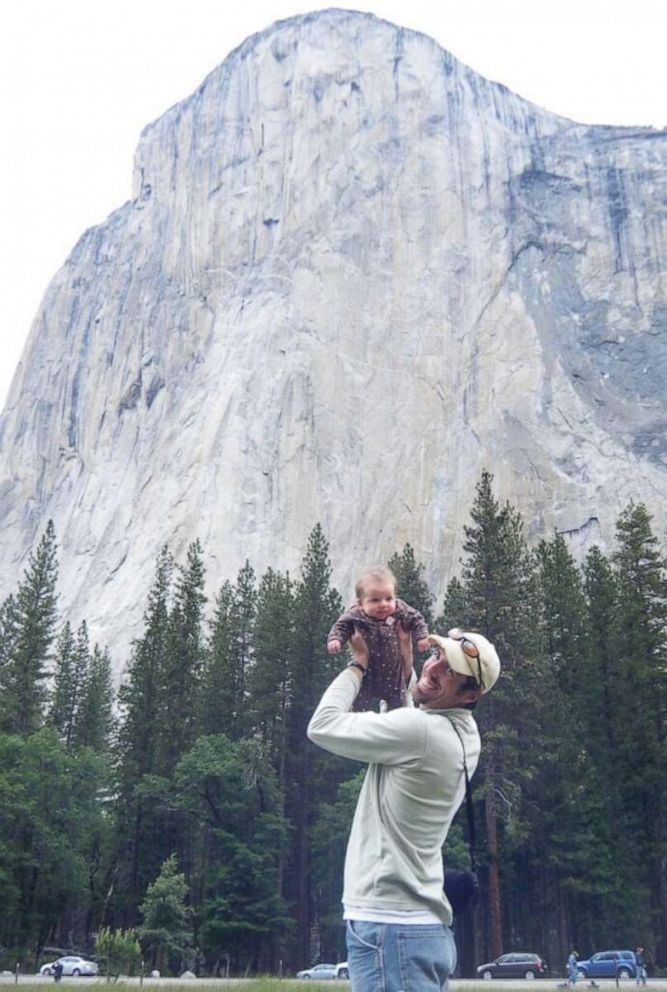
<point x="72" y="965"/>
<point x="321" y="971"/>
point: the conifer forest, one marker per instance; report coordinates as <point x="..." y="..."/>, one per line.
<point x="188" y="808"/>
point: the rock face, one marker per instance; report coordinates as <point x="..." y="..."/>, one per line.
<point x="353" y="274"/>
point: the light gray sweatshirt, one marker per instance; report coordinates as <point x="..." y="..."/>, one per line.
<point x="413" y="787"/>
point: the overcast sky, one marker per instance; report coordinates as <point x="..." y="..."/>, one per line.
<point x="80" y="79"/>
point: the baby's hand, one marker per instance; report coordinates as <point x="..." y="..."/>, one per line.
<point x="423" y="644"/>
<point x="334" y="646"/>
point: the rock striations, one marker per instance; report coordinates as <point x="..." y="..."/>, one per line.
<point x="353" y="274"/>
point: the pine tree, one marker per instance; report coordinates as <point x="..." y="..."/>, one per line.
<point x="411" y="584"/>
<point x="72" y="660"/>
<point x="497" y="577"/>
<point x="602" y="689"/>
<point x="219" y="698"/>
<point x="63" y="679"/>
<point x="51" y="818"/>
<point x="454" y="609"/>
<point x="119" y="949"/>
<point x="316" y="607"/>
<point x="232" y="799"/>
<point x="94" y="720"/>
<point x="32" y="615"/>
<point x="330" y="834"/>
<point x="167" y="928"/>
<point x="271" y="685"/>
<point x="567" y="790"/>
<point x="496" y="573"/>
<point x="230" y="657"/>
<point x="642" y="578"/>
<point x="141" y="839"/>
<point x="244" y="617"/>
<point x="9" y="627"/>
<point x="140" y="694"/>
<point x="181" y="675"/>
<point x="641" y="643"/>
<point x="565" y="626"/>
<point x="270" y="679"/>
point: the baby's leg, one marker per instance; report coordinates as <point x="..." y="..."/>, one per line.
<point x="387" y="681"/>
<point x="364" y="697"/>
<point x="395" y="700"/>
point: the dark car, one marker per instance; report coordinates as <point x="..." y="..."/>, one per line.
<point x="609" y="964"/>
<point x="516" y="965"/>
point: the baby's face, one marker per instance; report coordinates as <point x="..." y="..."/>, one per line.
<point x="378" y="600"/>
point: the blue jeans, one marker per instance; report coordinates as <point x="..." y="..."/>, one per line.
<point x="394" y="957"/>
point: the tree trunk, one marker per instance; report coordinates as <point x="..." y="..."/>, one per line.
<point x="495" y="925"/>
<point x="303" y="866"/>
<point x="465" y="931"/>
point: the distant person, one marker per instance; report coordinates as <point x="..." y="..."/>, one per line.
<point x="640" y="961"/>
<point x="57" y="971"/>
<point x="376" y="615"/>
<point x="572" y="973"/>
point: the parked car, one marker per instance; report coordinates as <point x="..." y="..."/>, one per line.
<point x="72" y="965"/>
<point x="515" y="965"/>
<point x="608" y="964"/>
<point x="321" y="971"/>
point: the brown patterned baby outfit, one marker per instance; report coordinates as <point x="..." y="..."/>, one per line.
<point x="384" y="678"/>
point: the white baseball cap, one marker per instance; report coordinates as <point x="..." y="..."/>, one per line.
<point x="470" y="653"/>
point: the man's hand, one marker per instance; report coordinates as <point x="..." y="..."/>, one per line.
<point x="359" y="648"/>
<point x="406" y="649"/>
<point x="334" y="646"/>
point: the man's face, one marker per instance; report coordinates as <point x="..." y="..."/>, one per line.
<point x="439" y="687"/>
<point x="378" y="600"/>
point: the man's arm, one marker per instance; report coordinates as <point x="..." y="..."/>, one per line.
<point x="398" y="737"/>
<point x="394" y="738"/>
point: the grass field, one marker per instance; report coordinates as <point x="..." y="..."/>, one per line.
<point x="30" y="984"/>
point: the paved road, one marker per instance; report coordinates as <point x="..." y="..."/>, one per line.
<point x="456" y="985"/>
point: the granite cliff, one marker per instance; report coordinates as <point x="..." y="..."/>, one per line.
<point x="352" y="274"/>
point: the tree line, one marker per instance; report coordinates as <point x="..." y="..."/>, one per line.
<point x="190" y="808"/>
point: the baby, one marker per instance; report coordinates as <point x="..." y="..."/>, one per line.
<point x="376" y="614"/>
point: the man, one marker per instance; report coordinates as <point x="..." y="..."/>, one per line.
<point x="640" y="962"/>
<point x="399" y="936"/>
<point x="572" y="972"/>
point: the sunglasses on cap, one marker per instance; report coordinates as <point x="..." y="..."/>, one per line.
<point x="469" y="648"/>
